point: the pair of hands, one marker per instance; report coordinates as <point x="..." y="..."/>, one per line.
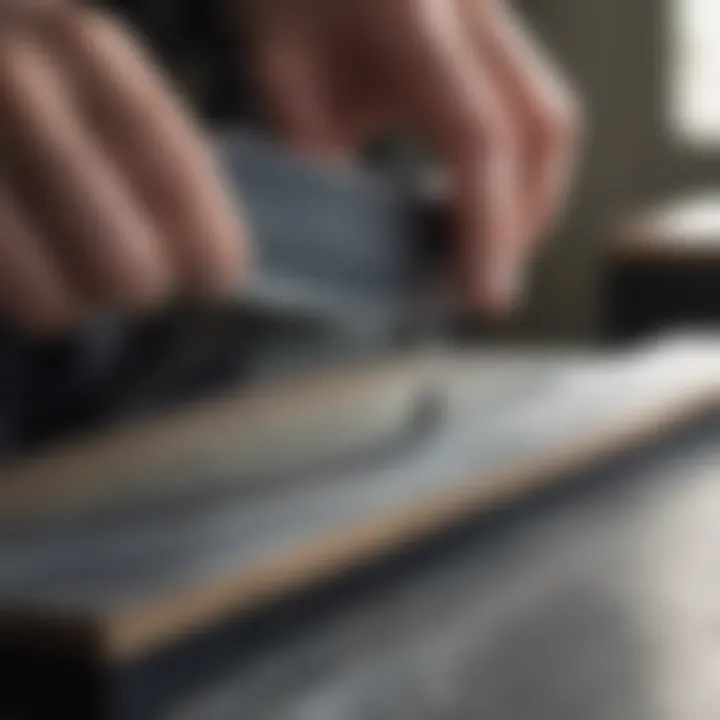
<point x="110" y="198"/>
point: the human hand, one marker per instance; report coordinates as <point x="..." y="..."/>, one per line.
<point x="109" y="198"/>
<point x="467" y="74"/>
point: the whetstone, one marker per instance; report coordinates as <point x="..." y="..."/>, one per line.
<point x="116" y="584"/>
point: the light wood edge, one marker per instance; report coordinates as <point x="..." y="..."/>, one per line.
<point x="136" y="630"/>
<point x="45" y="483"/>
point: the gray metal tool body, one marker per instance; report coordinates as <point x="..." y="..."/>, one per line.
<point x="342" y="270"/>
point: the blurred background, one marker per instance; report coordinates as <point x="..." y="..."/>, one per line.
<point x="649" y="73"/>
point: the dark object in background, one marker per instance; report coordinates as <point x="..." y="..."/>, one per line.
<point x="195" y="43"/>
<point x="663" y="270"/>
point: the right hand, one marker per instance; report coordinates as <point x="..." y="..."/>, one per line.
<point x="469" y="75"/>
<point x="109" y="197"/>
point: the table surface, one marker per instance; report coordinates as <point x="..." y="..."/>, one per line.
<point x="514" y="424"/>
<point x="599" y="603"/>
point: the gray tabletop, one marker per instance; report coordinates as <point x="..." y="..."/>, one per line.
<point x="515" y="412"/>
<point x="596" y="599"/>
<point x="599" y="603"/>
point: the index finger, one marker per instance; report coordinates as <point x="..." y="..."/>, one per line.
<point x="456" y="102"/>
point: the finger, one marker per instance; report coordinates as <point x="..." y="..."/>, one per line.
<point x="546" y="112"/>
<point x="295" y="90"/>
<point x="155" y="145"/>
<point x="102" y="239"/>
<point x="461" y="108"/>
<point x="34" y="295"/>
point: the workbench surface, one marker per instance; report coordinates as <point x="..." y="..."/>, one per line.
<point x="550" y="550"/>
